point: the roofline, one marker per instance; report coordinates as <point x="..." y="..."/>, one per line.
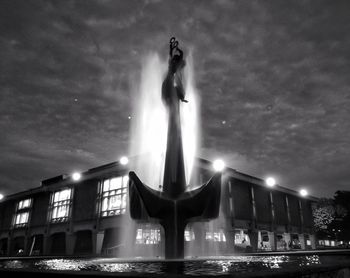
<point x="234" y="173"/>
<point x="62" y="180"/>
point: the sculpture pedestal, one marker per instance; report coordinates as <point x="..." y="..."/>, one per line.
<point x="174" y="214"/>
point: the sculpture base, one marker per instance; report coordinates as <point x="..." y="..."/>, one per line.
<point x="201" y="204"/>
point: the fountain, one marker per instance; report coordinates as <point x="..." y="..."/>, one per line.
<point x="176" y="203"/>
<point x="175" y="206"/>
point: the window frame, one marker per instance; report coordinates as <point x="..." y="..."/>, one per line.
<point x="149" y="236"/>
<point x="20" y="211"/>
<point x="56" y="205"/>
<point x="107" y="196"/>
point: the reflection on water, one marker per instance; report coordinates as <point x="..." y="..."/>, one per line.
<point x="215" y="265"/>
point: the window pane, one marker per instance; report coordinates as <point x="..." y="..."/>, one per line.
<point x="125" y="181"/>
<point x="105" y="185"/>
<point x="105" y="204"/>
<point x="113" y="203"/>
<point x="123" y="204"/>
<point x="116" y="183"/>
<point x="20" y="205"/>
<point x="26" y="203"/>
<point x="24" y="218"/>
<point x="57" y="196"/>
<point x="62" y="211"/>
<point x="65" y="195"/>
<point x="18" y="217"/>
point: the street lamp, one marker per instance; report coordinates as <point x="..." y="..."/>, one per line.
<point x="271" y="182"/>
<point x="303" y="192"/>
<point x="218" y="165"/>
<point x="124" y="160"/>
<point x="1" y="196"/>
<point x="76" y="176"/>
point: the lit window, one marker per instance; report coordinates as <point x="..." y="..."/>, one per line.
<point x="21" y="217"/>
<point x="148" y="236"/>
<point x="241" y="237"/>
<point x="24" y="204"/>
<point x="189" y="235"/>
<point x="215" y="236"/>
<point x="60" y="207"/>
<point x="114" y="194"/>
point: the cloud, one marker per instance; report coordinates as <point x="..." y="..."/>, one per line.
<point x="276" y="74"/>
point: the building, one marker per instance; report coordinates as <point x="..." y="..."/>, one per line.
<point x="90" y="216"/>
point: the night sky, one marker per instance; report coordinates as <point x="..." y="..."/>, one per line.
<point x="273" y="77"/>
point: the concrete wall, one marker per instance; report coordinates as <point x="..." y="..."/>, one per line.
<point x="8" y="210"/>
<point x="84" y="202"/>
<point x="241" y="199"/>
<point x="294" y="211"/>
<point x="40" y="209"/>
<point x="262" y="203"/>
<point x="281" y="216"/>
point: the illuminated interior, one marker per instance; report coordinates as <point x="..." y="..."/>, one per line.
<point x="114" y="194"/>
<point x="61" y="204"/>
<point x="21" y="217"/>
<point x="148" y="236"/>
<point x="215" y="236"/>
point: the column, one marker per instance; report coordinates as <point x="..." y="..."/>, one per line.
<point x="46" y="245"/>
<point x="9" y="246"/>
<point x="313" y="241"/>
<point x="97" y="241"/>
<point x="70" y="243"/>
<point x="199" y="238"/>
<point x="26" y="246"/>
<point x="287" y="239"/>
<point x="272" y="241"/>
<point x="302" y="241"/>
<point x="230" y="240"/>
<point x="254" y="238"/>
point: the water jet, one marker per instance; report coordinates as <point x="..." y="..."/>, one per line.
<point x="174" y="206"/>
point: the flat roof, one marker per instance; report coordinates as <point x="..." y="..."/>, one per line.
<point x="117" y="167"/>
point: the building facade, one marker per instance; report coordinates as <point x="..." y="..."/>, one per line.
<point x="90" y="216"/>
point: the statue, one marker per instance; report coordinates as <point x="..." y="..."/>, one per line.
<point x="172" y="92"/>
<point x="174" y="207"/>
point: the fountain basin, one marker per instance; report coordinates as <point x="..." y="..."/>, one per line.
<point x="278" y="264"/>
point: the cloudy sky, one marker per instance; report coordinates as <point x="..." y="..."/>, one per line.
<point x="273" y="76"/>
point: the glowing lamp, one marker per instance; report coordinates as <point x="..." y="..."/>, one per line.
<point x="124" y="160"/>
<point x="270" y="182"/>
<point x="218" y="165"/>
<point x="303" y="192"/>
<point x="1" y="196"/>
<point x="76" y="176"/>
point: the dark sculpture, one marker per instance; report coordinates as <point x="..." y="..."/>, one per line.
<point x="174" y="182"/>
<point x="174" y="207"/>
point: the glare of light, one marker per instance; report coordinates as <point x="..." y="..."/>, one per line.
<point x="303" y="192"/>
<point x="218" y="165"/>
<point x="124" y="160"/>
<point x="270" y="182"/>
<point x="1" y="196"/>
<point x="76" y="176"/>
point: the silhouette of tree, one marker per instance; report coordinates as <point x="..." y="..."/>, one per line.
<point x="331" y="217"/>
<point x="324" y="214"/>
